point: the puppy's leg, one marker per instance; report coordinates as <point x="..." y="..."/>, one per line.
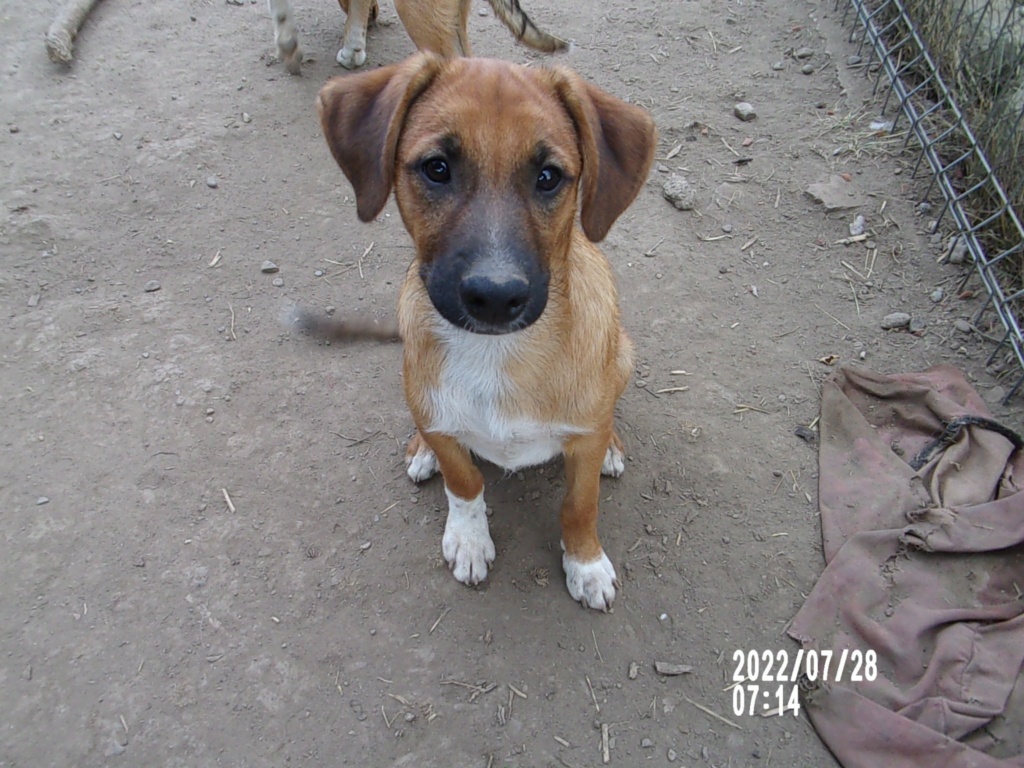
<point x="352" y="53"/>
<point x="467" y="544"/>
<point x="285" y="36"/>
<point x="589" y="574"/>
<point x="434" y="25"/>
<point x="614" y="458"/>
<point x="374" y="9"/>
<point x="420" y="461"/>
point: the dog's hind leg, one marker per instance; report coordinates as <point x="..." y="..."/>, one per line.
<point x="352" y="53"/>
<point x="286" y="38"/>
<point x="614" y="458"/>
<point x="438" y="26"/>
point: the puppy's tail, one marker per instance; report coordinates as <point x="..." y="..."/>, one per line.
<point x="338" y="329"/>
<point x="524" y="29"/>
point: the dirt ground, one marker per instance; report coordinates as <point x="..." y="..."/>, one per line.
<point x="211" y="555"/>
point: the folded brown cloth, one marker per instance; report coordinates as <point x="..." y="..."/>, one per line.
<point x="925" y="567"/>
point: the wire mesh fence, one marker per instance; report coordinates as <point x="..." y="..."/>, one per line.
<point x="954" y="70"/>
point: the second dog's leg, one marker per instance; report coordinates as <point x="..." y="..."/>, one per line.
<point x="352" y="53"/>
<point x="285" y="36"/>
<point x="589" y="574"/>
<point x="467" y="545"/>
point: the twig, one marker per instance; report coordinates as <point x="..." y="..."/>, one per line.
<point x="516" y="691"/>
<point x="215" y="260"/>
<point x="443" y="613"/>
<point x="851" y="240"/>
<point x="360" y="262"/>
<point x="232" y="310"/>
<point x="650" y="251"/>
<point x="749" y="243"/>
<point x="596" y="648"/>
<point x="605" y="754"/>
<point x="227" y="499"/>
<point x="833" y="317"/>
<point x="592" y="694"/>
<point x="713" y="714"/>
<point x="672" y="389"/>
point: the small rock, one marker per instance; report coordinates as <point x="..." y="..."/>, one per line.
<point x="803" y="53"/>
<point x="917" y="325"/>
<point x="329" y="310"/>
<point x="853" y="60"/>
<point x="672" y="756"/>
<point x="727" y="228"/>
<point x="924" y="208"/>
<point x="744" y="111"/>
<point x="646" y="743"/>
<point x="212" y="182"/>
<point x="634" y="670"/>
<point x="963" y="326"/>
<point x="778" y="66"/>
<point x="152" y="285"/>
<point x="805" y="433"/>
<point x="835" y="194"/>
<point x="118" y="135"/>
<point x="483" y="12"/>
<point x="42" y="500"/>
<point x="680" y="192"/>
<point x="246" y="117"/>
<point x="365" y="546"/>
<point x="269" y="267"/>
<point x="807" y="69"/>
<point x="932" y="226"/>
<point x="958" y="251"/>
<point x="858" y="225"/>
<point x="33" y="300"/>
<point x="937" y="295"/>
<point x="14" y="129"/>
<point x="318" y="273"/>
<point x="27" y="674"/>
<point x="669" y="669"/>
<point x="278" y="282"/>
<point x="895" y="320"/>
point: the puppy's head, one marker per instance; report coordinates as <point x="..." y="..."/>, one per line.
<point x="490" y="163"/>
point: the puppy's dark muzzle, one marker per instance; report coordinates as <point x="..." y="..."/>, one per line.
<point x="490" y="293"/>
<point x="494" y="298"/>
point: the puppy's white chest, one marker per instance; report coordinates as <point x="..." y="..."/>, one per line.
<point x="474" y="402"/>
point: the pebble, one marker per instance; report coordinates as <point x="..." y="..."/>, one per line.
<point x="963" y="326"/>
<point x="33" y="300"/>
<point x="269" y="267"/>
<point x="937" y="295"/>
<point x="42" y="500"/>
<point x="14" y="129"/>
<point x="807" y="69"/>
<point x="803" y="53"/>
<point x="672" y="756"/>
<point x="318" y="273"/>
<point x="917" y="325"/>
<point x="670" y="669"/>
<point x="924" y="207"/>
<point x="329" y="310"/>
<point x="246" y="117"/>
<point x="727" y="228"/>
<point x="278" y="282"/>
<point x="895" y="320"/>
<point x="958" y="251"/>
<point x="646" y="743"/>
<point x="680" y="192"/>
<point x="152" y="285"/>
<point x="744" y="111"/>
<point x="634" y="670"/>
<point x="858" y="225"/>
<point x="853" y="60"/>
<point x="118" y="135"/>
<point x="212" y="182"/>
<point x="778" y="66"/>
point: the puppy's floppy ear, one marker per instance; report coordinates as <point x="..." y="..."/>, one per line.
<point x="617" y="142"/>
<point x="362" y="117"/>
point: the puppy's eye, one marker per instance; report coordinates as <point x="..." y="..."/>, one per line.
<point x="437" y="170"/>
<point x="548" y="179"/>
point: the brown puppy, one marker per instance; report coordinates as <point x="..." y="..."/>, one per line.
<point x="434" y="25"/>
<point x="509" y="313"/>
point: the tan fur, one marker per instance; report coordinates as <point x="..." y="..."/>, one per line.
<point x="438" y="26"/>
<point x="570" y="366"/>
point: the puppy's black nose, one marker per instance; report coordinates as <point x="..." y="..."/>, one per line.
<point x="494" y="299"/>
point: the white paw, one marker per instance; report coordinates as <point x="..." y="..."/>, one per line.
<point x="422" y="465"/>
<point x="593" y="583"/>
<point x="351" y="58"/>
<point x="467" y="544"/>
<point x="614" y="462"/>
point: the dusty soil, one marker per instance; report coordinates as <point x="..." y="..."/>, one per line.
<point x="147" y="621"/>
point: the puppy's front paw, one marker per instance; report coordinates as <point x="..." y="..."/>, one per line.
<point x="614" y="462"/>
<point x="467" y="544"/>
<point x="593" y="583"/>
